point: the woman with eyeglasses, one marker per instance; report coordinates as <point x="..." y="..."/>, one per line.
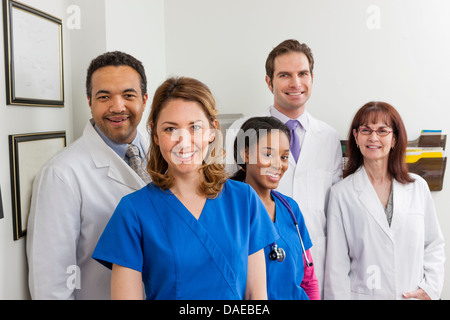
<point x="384" y="240"/>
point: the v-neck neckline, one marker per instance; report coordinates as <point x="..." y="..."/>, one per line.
<point x="202" y="213"/>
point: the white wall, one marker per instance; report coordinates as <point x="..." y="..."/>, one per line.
<point x="15" y="120"/>
<point x="403" y="62"/>
<point x="88" y="40"/>
<point x="138" y="29"/>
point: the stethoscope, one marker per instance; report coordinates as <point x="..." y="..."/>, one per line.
<point x="278" y="253"/>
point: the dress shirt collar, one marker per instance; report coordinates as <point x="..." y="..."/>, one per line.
<point x="303" y="119"/>
<point x="120" y="148"/>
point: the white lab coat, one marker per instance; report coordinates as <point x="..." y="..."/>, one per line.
<point x="73" y="198"/>
<point x="367" y="259"/>
<point x="308" y="181"/>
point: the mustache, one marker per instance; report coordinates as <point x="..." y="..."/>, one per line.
<point x="117" y="114"/>
<point x="114" y="116"/>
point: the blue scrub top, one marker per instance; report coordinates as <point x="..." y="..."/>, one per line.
<point x="181" y="257"/>
<point x="284" y="278"/>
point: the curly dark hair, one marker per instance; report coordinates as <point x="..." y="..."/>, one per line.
<point x="115" y="58"/>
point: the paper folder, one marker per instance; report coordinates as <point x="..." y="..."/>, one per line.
<point x="415" y="154"/>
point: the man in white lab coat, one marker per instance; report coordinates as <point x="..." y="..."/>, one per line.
<point x="289" y="76"/>
<point x="77" y="191"/>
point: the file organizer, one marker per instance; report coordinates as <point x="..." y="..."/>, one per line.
<point x="425" y="156"/>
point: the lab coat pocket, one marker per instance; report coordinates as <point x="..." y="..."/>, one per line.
<point x="415" y="223"/>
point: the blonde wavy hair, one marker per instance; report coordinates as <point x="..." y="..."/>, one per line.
<point x="213" y="167"/>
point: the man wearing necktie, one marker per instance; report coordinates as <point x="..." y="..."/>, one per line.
<point x="316" y="154"/>
<point x="136" y="162"/>
<point x="76" y="192"/>
<point x="294" y="145"/>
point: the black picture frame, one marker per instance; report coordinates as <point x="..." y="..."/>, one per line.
<point x="1" y="205"/>
<point x="28" y="153"/>
<point x="33" y="56"/>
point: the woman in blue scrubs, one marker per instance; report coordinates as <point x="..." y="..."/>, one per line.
<point x="191" y="233"/>
<point x="261" y="150"/>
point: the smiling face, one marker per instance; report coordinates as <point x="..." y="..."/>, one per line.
<point x="117" y="103"/>
<point x="291" y="84"/>
<point x="374" y="147"/>
<point x="271" y="163"/>
<point x="183" y="134"/>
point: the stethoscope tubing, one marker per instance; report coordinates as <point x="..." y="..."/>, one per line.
<point x="294" y="219"/>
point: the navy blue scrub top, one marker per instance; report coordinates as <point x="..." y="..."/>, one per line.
<point x="181" y="257"/>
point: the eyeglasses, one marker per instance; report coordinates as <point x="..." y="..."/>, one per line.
<point x="380" y="132"/>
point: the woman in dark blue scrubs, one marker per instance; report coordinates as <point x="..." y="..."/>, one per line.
<point x="262" y="150"/>
<point x="191" y="233"/>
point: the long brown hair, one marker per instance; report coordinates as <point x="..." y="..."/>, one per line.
<point x="372" y="112"/>
<point x="213" y="166"/>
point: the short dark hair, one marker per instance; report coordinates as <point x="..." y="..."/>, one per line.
<point x="115" y="58"/>
<point x="284" y="47"/>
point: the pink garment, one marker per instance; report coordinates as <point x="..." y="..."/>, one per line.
<point x="310" y="283"/>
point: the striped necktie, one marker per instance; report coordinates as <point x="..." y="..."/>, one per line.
<point x="136" y="163"/>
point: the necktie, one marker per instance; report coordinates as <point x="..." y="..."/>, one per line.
<point x="136" y="163"/>
<point x="295" y="141"/>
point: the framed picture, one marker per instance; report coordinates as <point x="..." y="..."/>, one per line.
<point x="28" y="153"/>
<point x="33" y="56"/>
<point x="1" y="205"/>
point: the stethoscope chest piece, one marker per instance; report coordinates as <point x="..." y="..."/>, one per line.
<point x="276" y="253"/>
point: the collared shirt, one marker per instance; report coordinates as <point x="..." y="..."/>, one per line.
<point x="389" y="209"/>
<point x="303" y="119"/>
<point x="121" y="148"/>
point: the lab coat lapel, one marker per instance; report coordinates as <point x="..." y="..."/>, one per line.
<point x="369" y="199"/>
<point x="210" y="246"/>
<point x="104" y="157"/>
<point x="308" y="149"/>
